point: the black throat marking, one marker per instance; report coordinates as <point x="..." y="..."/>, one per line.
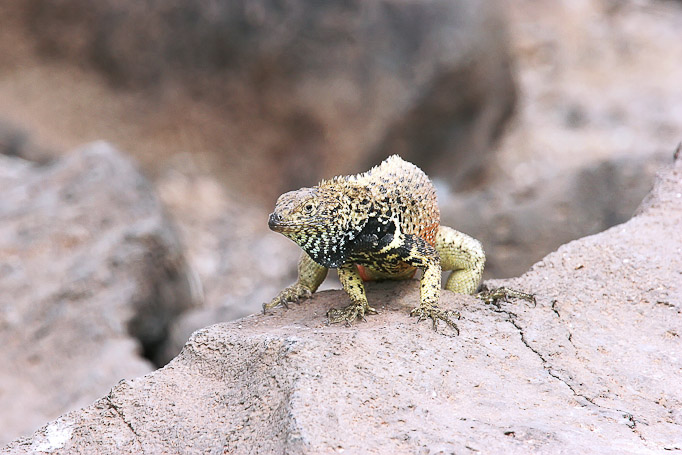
<point x="377" y="233"/>
<point x="330" y="252"/>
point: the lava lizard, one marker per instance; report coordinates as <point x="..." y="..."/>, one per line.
<point x="381" y="224"/>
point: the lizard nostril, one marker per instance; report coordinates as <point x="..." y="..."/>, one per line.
<point x="274" y="219"/>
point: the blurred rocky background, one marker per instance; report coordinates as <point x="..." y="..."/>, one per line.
<point x="541" y="122"/>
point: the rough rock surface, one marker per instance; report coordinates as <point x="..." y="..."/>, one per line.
<point x="518" y="225"/>
<point x="593" y="368"/>
<point x="90" y="273"/>
<point x="308" y="88"/>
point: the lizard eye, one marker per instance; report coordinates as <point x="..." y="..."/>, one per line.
<point x="308" y="208"/>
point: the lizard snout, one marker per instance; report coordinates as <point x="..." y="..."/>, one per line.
<point x="274" y="220"/>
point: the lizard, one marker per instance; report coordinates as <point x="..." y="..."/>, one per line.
<point x="378" y="225"/>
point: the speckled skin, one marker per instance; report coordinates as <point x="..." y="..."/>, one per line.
<point x="381" y="224"/>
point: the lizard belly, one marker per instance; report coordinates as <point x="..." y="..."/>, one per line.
<point x="376" y="271"/>
<point x="370" y="274"/>
<point x="382" y="260"/>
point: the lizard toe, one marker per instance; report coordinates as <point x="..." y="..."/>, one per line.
<point x="424" y="312"/>
<point x="349" y="313"/>
<point x="292" y="294"/>
<point x="494" y="296"/>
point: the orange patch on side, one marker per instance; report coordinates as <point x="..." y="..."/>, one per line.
<point x="363" y="273"/>
<point x="429" y="233"/>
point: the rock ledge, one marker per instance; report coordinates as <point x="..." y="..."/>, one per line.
<point x="593" y="368"/>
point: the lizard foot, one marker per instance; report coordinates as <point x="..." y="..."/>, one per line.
<point x="425" y="311"/>
<point x="293" y="293"/>
<point x="350" y="313"/>
<point x="504" y="294"/>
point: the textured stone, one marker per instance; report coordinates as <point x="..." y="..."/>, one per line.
<point x="90" y="274"/>
<point x="519" y="225"/>
<point x="593" y="368"/>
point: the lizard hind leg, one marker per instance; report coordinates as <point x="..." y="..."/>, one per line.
<point x="464" y="256"/>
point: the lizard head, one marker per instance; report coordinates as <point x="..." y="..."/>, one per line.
<point x="322" y="220"/>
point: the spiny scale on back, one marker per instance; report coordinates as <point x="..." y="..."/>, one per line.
<point x="350" y="218"/>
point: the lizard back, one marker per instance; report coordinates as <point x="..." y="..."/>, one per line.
<point x="404" y="193"/>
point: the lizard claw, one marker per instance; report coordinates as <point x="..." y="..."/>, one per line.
<point x="425" y="311"/>
<point x="350" y="313"/>
<point x="293" y="293"/>
<point x="504" y="294"/>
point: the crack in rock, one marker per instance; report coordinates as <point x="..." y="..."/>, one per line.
<point x="118" y="411"/>
<point x="631" y="421"/>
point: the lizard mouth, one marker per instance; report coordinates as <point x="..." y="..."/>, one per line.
<point x="278" y="224"/>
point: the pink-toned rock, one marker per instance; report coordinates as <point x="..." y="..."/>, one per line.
<point x="90" y="274"/>
<point x="593" y="368"/>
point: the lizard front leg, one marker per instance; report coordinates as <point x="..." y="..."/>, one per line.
<point x="354" y="287"/>
<point x="310" y="276"/>
<point x="417" y="252"/>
